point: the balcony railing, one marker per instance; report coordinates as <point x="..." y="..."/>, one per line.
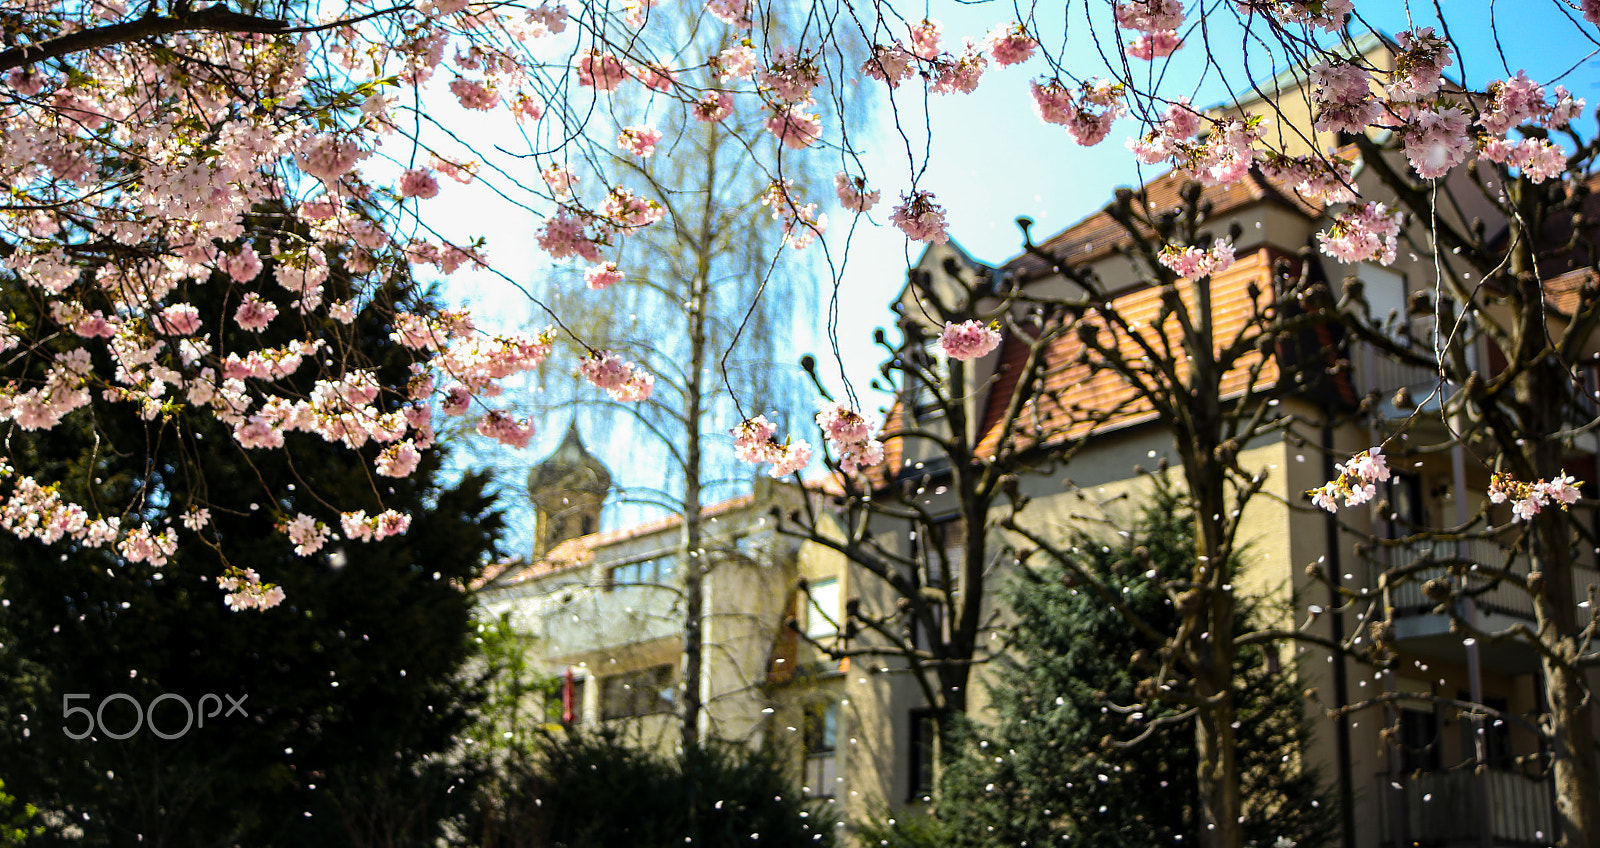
<point x="1445" y="810"/>
<point x="1491" y="597"/>
<point x="1376" y="371"/>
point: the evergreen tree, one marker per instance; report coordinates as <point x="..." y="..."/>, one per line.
<point x="351" y="693"/>
<point x="593" y="790"/>
<point x="1050" y="771"/>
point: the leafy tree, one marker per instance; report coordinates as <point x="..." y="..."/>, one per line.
<point x="16" y="825"/>
<point x="354" y="688"/>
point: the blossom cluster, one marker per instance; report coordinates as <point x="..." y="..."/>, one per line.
<point x="853" y="193"/>
<point x="621" y="379"/>
<point x="246" y="591"/>
<point x="850" y="434"/>
<point x="753" y="442"/>
<point x="1366" y="233"/>
<point x="1156" y="20"/>
<point x="1356" y="483"/>
<point x="1191" y="263"/>
<point x="920" y="218"/>
<point x="1528" y="498"/>
<point x="968" y="340"/>
<point x="1087" y="113"/>
<point x="802" y="223"/>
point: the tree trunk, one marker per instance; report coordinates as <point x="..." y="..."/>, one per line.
<point x="693" y="556"/>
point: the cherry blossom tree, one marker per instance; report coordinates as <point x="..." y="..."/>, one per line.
<point x="151" y="150"/>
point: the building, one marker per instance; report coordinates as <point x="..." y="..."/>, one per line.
<point x="1416" y="766"/>
<point x="608" y="606"/>
<point x="1412" y="763"/>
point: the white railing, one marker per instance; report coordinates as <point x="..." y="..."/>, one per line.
<point x="1504" y="598"/>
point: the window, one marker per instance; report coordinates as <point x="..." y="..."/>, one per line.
<point x="635" y="693"/>
<point x="821" y="739"/>
<point x="923" y="401"/>
<point x="1385" y="291"/>
<point x="822" y="615"/>
<point x="940" y="561"/>
<point x="555" y="701"/>
<point x="921" y="752"/>
<point x="648" y="572"/>
<point x="1405" y="498"/>
<point x="1419" y="741"/>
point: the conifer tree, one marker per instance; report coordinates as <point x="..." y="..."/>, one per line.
<point x="350" y="693"/>
<point x="1062" y="765"/>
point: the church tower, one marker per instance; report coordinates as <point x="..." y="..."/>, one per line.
<point x="567" y="489"/>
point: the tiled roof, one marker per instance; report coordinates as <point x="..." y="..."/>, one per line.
<point x="1094" y="238"/>
<point x="1075" y="393"/>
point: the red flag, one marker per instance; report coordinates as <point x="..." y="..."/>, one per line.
<point x="569" y="691"/>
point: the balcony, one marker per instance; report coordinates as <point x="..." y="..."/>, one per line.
<point x="1447" y="809"/>
<point x="1491" y="597"/>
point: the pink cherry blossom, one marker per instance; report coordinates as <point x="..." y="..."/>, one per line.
<point x="1087" y="115"/>
<point x="1155" y="45"/>
<point x="793" y="457"/>
<point x="968" y="340"/>
<point x="925" y="36"/>
<point x="179" y="319"/>
<point x="418" y="182"/>
<point x="629" y="212"/>
<point x="849" y="433"/>
<point x="1149" y="16"/>
<point x="27" y="81"/>
<point x="602" y="276"/>
<point x="398" y="460"/>
<point x="246" y="591"/>
<point x="504" y="429"/>
<point x="1368" y="233"/>
<point x="1356" y="483"/>
<point x="1565" y="109"/>
<point x="1513" y="102"/>
<point x="601" y="71"/>
<point x="802" y="224"/>
<point x="1419" y="67"/>
<point x="307" y="533"/>
<point x="713" y="106"/>
<point x="657" y="79"/>
<point x="527" y="108"/>
<point x="893" y="64"/>
<point x="752" y="440"/>
<point x="560" y="180"/>
<point x="1192" y="263"/>
<point x="1318" y="179"/>
<point x="1436" y="140"/>
<point x="566" y="235"/>
<point x="639" y="140"/>
<point x="959" y="74"/>
<point x="1343" y="97"/>
<point x="737" y="62"/>
<point x="621" y="379"/>
<point x="790" y="78"/>
<point x="329" y="157"/>
<point x="732" y="12"/>
<point x="795" y="127"/>
<point x="474" y="94"/>
<point x="920" y="218"/>
<point x="853" y="193"/>
<point x="1010" y="44"/>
